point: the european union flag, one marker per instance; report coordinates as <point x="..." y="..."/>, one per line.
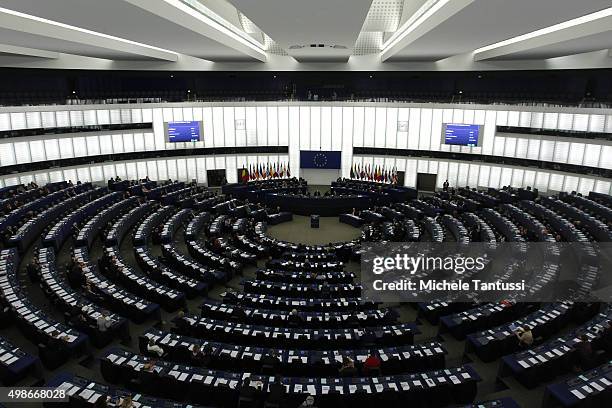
<point x="320" y="159"/>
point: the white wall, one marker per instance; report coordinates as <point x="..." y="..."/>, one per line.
<point x="183" y="168"/>
<point x="320" y="177"/>
<point x="318" y="126"/>
<point x="480" y="174"/>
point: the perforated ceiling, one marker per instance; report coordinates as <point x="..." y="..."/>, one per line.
<point x="384" y="17"/>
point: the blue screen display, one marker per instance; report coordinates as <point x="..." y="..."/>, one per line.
<point x="464" y="135"/>
<point x="184" y="131"/>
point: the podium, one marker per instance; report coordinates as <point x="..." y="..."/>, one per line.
<point x="314" y="221"/>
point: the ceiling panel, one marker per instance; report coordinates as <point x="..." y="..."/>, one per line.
<point x="119" y="18"/>
<point x="50" y="44"/>
<point x="290" y="23"/>
<point x="595" y="42"/>
<point x="486" y="22"/>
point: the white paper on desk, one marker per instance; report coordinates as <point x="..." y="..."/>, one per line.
<point x="73" y="390"/>
<point x="454" y="379"/>
<point x="587" y="389"/>
<point x="325" y="389"/>
<point x="183" y="376"/>
<point x="606" y="381"/>
<point x="86" y="393"/>
<point x="596" y="386"/>
<point x="94" y="397"/>
<point x="578" y="394"/>
<point x="311" y="389"/>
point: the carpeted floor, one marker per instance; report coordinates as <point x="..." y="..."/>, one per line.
<point x="299" y="231"/>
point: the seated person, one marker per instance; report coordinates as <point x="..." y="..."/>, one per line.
<point x="238" y="313"/>
<point x="247" y="391"/>
<point x="79" y="321"/>
<point x="276" y="392"/>
<point x="525" y="337"/>
<point x="126" y="402"/>
<point x="585" y="357"/>
<point x="348" y="367"/>
<point x="103" y="322"/>
<point x="294" y="318"/>
<point x="154" y="348"/>
<point x="201" y="356"/>
<point x="57" y="343"/>
<point x="372" y="363"/>
<point x="270" y="361"/>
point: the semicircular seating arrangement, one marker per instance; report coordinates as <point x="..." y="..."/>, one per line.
<point x="173" y="295"/>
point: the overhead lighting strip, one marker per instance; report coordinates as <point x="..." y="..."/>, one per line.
<point x="415" y="20"/>
<point x="549" y="30"/>
<point x="221" y="24"/>
<point x="81" y="30"/>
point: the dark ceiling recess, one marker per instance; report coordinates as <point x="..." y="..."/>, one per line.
<point x="29" y="86"/>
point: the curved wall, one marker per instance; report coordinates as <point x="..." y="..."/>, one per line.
<point x="330" y="126"/>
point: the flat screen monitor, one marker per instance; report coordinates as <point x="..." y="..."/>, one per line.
<point x="462" y="135"/>
<point x="183" y="131"/>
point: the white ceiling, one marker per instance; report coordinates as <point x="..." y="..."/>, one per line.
<point x="121" y="19"/>
<point x="21" y="39"/>
<point x="300" y="22"/>
<point x="362" y="26"/>
<point x="585" y="44"/>
<point x="486" y="22"/>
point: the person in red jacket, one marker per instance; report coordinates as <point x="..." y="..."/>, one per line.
<point x="372" y="363"/>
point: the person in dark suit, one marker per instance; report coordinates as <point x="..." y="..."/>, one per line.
<point x="276" y="392"/>
<point x="445" y="185"/>
<point x="57" y="343"/>
<point x="270" y="362"/>
<point x="585" y="357"/>
<point x="294" y="319"/>
<point x="248" y="393"/>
